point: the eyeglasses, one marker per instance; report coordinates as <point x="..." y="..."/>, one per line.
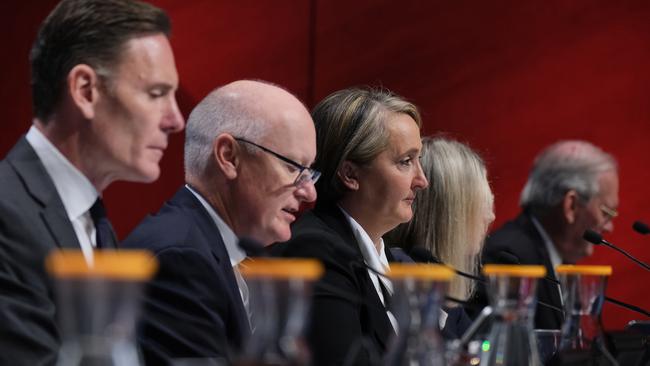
<point x="609" y="212"/>
<point x="305" y="174"/>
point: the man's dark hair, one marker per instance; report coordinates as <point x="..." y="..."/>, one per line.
<point x="91" y="32"/>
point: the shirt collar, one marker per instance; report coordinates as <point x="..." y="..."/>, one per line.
<point x="556" y="260"/>
<point x="230" y="240"/>
<point x="74" y="188"/>
<point x="377" y="261"/>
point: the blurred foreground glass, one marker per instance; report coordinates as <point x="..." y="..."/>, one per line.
<point x="548" y="342"/>
<point x="279" y="291"/>
<point x="419" y="292"/>
<point x="98" y="304"/>
<point x="583" y="293"/>
<point x="512" y="294"/>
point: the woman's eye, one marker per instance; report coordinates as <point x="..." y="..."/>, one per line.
<point x="406" y="162"/>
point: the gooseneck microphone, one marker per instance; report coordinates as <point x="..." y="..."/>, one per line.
<point x="515" y="260"/>
<point x="641" y="228"/>
<point x="355" y="262"/>
<point x="422" y="255"/>
<point x="595" y="238"/>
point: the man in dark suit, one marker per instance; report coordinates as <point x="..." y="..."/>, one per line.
<point x="573" y="186"/>
<point x="248" y="145"/>
<point x="94" y="122"/>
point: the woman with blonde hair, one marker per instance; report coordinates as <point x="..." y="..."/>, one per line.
<point x="451" y="218"/>
<point x="368" y="144"/>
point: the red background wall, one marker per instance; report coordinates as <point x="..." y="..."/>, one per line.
<point x="508" y="77"/>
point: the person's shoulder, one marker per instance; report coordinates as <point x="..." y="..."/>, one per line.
<point x="517" y="237"/>
<point x="311" y="237"/>
<point x="513" y="231"/>
<point x="169" y="227"/>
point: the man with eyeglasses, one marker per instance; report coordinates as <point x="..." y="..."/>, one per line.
<point x="248" y="148"/>
<point x="572" y="186"/>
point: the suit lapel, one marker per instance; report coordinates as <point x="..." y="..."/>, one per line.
<point x="40" y="186"/>
<point x="377" y="323"/>
<point x="219" y="253"/>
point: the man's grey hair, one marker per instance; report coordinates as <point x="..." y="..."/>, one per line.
<point x="564" y="166"/>
<point x="219" y="112"/>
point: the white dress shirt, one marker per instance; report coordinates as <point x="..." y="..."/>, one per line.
<point x="74" y="189"/>
<point x="374" y="259"/>
<point x="235" y="253"/>
<point x="553" y="254"/>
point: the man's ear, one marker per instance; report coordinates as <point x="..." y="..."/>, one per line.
<point x="227" y="155"/>
<point x="570" y="204"/>
<point x="83" y="83"/>
<point x="349" y="175"/>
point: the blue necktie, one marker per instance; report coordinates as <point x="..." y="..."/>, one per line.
<point x="105" y="236"/>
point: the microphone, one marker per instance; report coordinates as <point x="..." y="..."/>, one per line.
<point x="423" y="255"/>
<point x="608" y="299"/>
<point x="595" y="238"/>
<point x="356" y="262"/>
<point x="628" y="306"/>
<point x="641" y="228"/>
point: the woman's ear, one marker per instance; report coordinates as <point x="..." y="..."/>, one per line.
<point x="349" y="175"/>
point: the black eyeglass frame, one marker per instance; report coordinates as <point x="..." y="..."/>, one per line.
<point x="313" y="173"/>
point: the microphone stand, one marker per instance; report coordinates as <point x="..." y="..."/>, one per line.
<point x="644" y="265"/>
<point x="597" y="239"/>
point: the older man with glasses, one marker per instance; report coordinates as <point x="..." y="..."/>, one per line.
<point x="573" y="186"/>
<point x="248" y="148"/>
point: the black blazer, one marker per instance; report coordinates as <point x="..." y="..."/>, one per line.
<point x="192" y="307"/>
<point x="521" y="239"/>
<point x="349" y="324"/>
<point x="33" y="221"/>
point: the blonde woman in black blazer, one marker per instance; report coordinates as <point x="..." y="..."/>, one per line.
<point x="368" y="148"/>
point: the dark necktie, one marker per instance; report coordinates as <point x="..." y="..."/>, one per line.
<point x="386" y="293"/>
<point x="105" y="236"/>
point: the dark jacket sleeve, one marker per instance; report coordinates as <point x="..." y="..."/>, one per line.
<point x="28" y="330"/>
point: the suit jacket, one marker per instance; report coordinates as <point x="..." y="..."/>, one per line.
<point x="521" y="239"/>
<point x="33" y="221"/>
<point x="348" y="322"/>
<point x="192" y="308"/>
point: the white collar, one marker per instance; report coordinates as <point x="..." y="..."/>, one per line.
<point x="553" y="254"/>
<point x="74" y="188"/>
<point x="230" y="240"/>
<point x="376" y="260"/>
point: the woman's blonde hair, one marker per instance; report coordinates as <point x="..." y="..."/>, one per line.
<point x="450" y="216"/>
<point x="350" y="125"/>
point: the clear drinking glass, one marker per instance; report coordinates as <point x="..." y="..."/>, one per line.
<point x="583" y="294"/>
<point x="98" y="305"/>
<point x="511" y="291"/>
<point x="419" y="292"/>
<point x="280" y="292"/>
